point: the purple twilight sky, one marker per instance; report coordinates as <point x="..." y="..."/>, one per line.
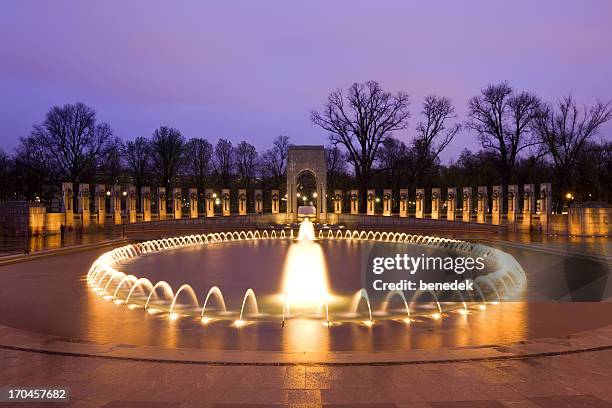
<point x="254" y="69"/>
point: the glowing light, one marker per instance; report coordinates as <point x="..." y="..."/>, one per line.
<point x="495" y="302"/>
<point x="368" y="323"/>
<point x="377" y="200"/>
<point x="214" y="195"/>
<point x="305" y="273"/>
<point x="314" y="195"/>
<point x="239" y="323"/>
<point x="482" y="307"/>
<point x="206" y="320"/>
<point x="463" y="311"/>
<point x="173" y="316"/>
<point x="407" y="320"/>
<point x="436" y="316"/>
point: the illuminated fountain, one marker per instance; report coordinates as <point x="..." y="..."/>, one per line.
<point x="305" y="291"/>
<point x="305" y="283"/>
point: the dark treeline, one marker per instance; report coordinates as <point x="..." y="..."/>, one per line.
<point x="523" y="140"/>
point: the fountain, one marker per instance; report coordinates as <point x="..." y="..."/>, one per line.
<point x="305" y="291"/>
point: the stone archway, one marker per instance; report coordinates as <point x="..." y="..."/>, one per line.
<point x="312" y="159"/>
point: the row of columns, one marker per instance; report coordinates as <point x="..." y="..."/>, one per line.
<point x="116" y="196"/>
<point x="467" y="197"/>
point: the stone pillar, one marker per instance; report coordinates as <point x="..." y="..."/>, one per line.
<point x="161" y="203"/>
<point x="545" y="206"/>
<point x="513" y="194"/>
<point x="131" y="204"/>
<point x="354" y="201"/>
<point x="322" y="198"/>
<point x="371" y="202"/>
<point x="210" y="202"/>
<point x="337" y="202"/>
<point x="84" y="204"/>
<point x="67" y="204"/>
<point x="242" y="202"/>
<point x="258" y="202"/>
<point x="451" y="203"/>
<point x="528" y="204"/>
<point x="275" y="202"/>
<point x="225" y="202"/>
<point x="420" y="203"/>
<point x="482" y="204"/>
<point x="177" y="203"/>
<point x="115" y="203"/>
<point x="497" y="204"/>
<point x="193" y="202"/>
<point x="145" y="203"/>
<point x="100" y="204"/>
<point x="403" y="203"/>
<point x="387" y="202"/>
<point x="435" y="203"/>
<point x="467" y="204"/>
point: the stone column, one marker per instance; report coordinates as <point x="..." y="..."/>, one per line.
<point x="131" y="204"/>
<point x="67" y="204"/>
<point x="467" y="204"/>
<point x="225" y="202"/>
<point x="161" y="203"/>
<point x="84" y="204"/>
<point x="371" y="202"/>
<point x="145" y="203"/>
<point x="100" y="204"/>
<point x="482" y="204"/>
<point x="528" y="204"/>
<point x="496" y="202"/>
<point x="337" y="202"/>
<point x="545" y="206"/>
<point x="177" y="203"/>
<point x="115" y="203"/>
<point x="242" y="202"/>
<point x="275" y="202"/>
<point x="420" y="203"/>
<point x="258" y="202"/>
<point x="435" y="203"/>
<point x="322" y="197"/>
<point x="451" y="203"/>
<point x="387" y="202"/>
<point x="354" y="201"/>
<point x="513" y="195"/>
<point x="193" y="202"/>
<point x="403" y="203"/>
<point x="210" y="202"/>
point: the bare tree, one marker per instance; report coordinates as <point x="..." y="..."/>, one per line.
<point x="5" y="180"/>
<point x="502" y="120"/>
<point x="34" y="167"/>
<point x="246" y="162"/>
<point x="433" y="134"/>
<point x="336" y="165"/>
<point x="197" y="159"/>
<point x="392" y="157"/>
<point x="167" y="150"/>
<point x="224" y="160"/>
<point x="565" y="131"/>
<point x="361" y="122"/>
<point x="113" y="168"/>
<point x="138" y="159"/>
<point x="76" y="142"/>
<point x="274" y="163"/>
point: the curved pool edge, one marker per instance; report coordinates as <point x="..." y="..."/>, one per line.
<point x="588" y="341"/>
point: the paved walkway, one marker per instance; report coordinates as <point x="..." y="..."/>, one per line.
<point x="573" y="380"/>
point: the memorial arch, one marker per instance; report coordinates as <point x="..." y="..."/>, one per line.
<point x="301" y="160"/>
